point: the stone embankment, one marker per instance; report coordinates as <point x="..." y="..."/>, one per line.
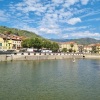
<point x="44" y="56"/>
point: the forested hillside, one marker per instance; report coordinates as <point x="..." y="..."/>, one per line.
<point x="15" y="31"/>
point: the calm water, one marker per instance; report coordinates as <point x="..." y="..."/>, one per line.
<point x="50" y="80"/>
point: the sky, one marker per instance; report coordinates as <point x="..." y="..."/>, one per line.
<point x="53" y="19"/>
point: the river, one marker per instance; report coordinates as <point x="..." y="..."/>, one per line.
<point x="50" y="80"/>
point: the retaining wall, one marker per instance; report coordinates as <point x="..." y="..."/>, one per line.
<point x="41" y="56"/>
<point x="37" y="56"/>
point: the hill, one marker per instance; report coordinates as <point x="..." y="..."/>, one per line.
<point x="18" y="32"/>
<point x="83" y="41"/>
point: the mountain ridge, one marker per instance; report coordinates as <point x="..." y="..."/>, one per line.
<point x="83" y="41"/>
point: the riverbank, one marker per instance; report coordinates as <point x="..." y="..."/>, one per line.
<point x="43" y="56"/>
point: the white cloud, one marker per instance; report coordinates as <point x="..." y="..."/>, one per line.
<point x="84" y="2"/>
<point x="31" y="29"/>
<point x="30" y="5"/>
<point x="49" y="16"/>
<point x="73" y="29"/>
<point x="58" y="1"/>
<point x="85" y="34"/>
<point x="73" y="21"/>
<point x="65" y="36"/>
<point x="72" y="2"/>
<point x="3" y="16"/>
<point x="69" y="3"/>
<point x="49" y="31"/>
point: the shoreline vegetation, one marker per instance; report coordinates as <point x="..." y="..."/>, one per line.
<point x="45" y="56"/>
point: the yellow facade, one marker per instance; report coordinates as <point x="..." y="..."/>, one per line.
<point x="9" y="44"/>
<point x="98" y="48"/>
<point x="1" y="43"/>
<point x="69" y="46"/>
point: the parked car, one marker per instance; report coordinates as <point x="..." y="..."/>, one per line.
<point x="30" y="50"/>
<point x="46" y="51"/>
<point x="8" y="52"/>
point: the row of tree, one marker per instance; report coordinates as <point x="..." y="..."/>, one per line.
<point x="40" y="44"/>
<point x="68" y="50"/>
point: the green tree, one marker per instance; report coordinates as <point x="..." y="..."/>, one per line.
<point x="70" y="50"/>
<point x="47" y="44"/>
<point x="27" y="43"/>
<point x="71" y="45"/>
<point x="24" y="43"/>
<point x="97" y="50"/>
<point x="74" y="51"/>
<point x="38" y="43"/>
<point x="55" y="47"/>
<point x="64" y="50"/>
<point x="94" y="49"/>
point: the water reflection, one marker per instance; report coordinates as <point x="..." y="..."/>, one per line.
<point x="50" y="80"/>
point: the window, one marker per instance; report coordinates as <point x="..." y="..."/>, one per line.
<point x="0" y="44"/>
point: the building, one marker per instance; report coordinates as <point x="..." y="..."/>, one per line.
<point x="16" y="42"/>
<point x="87" y="49"/>
<point x="70" y="46"/>
<point x="1" y="43"/>
<point x="10" y="42"/>
<point x="97" y="47"/>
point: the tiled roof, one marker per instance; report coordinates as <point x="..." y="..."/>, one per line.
<point x="13" y="37"/>
<point x="98" y="44"/>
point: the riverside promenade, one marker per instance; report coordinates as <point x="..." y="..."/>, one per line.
<point x="44" y="56"/>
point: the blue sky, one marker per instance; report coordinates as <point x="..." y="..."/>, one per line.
<point x="53" y="18"/>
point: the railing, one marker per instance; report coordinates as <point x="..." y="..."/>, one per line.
<point x="29" y="53"/>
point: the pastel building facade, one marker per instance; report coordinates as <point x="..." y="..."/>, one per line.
<point x="10" y="42"/>
<point x="87" y="49"/>
<point x="97" y="47"/>
<point x="70" y="46"/>
<point x="1" y="43"/>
